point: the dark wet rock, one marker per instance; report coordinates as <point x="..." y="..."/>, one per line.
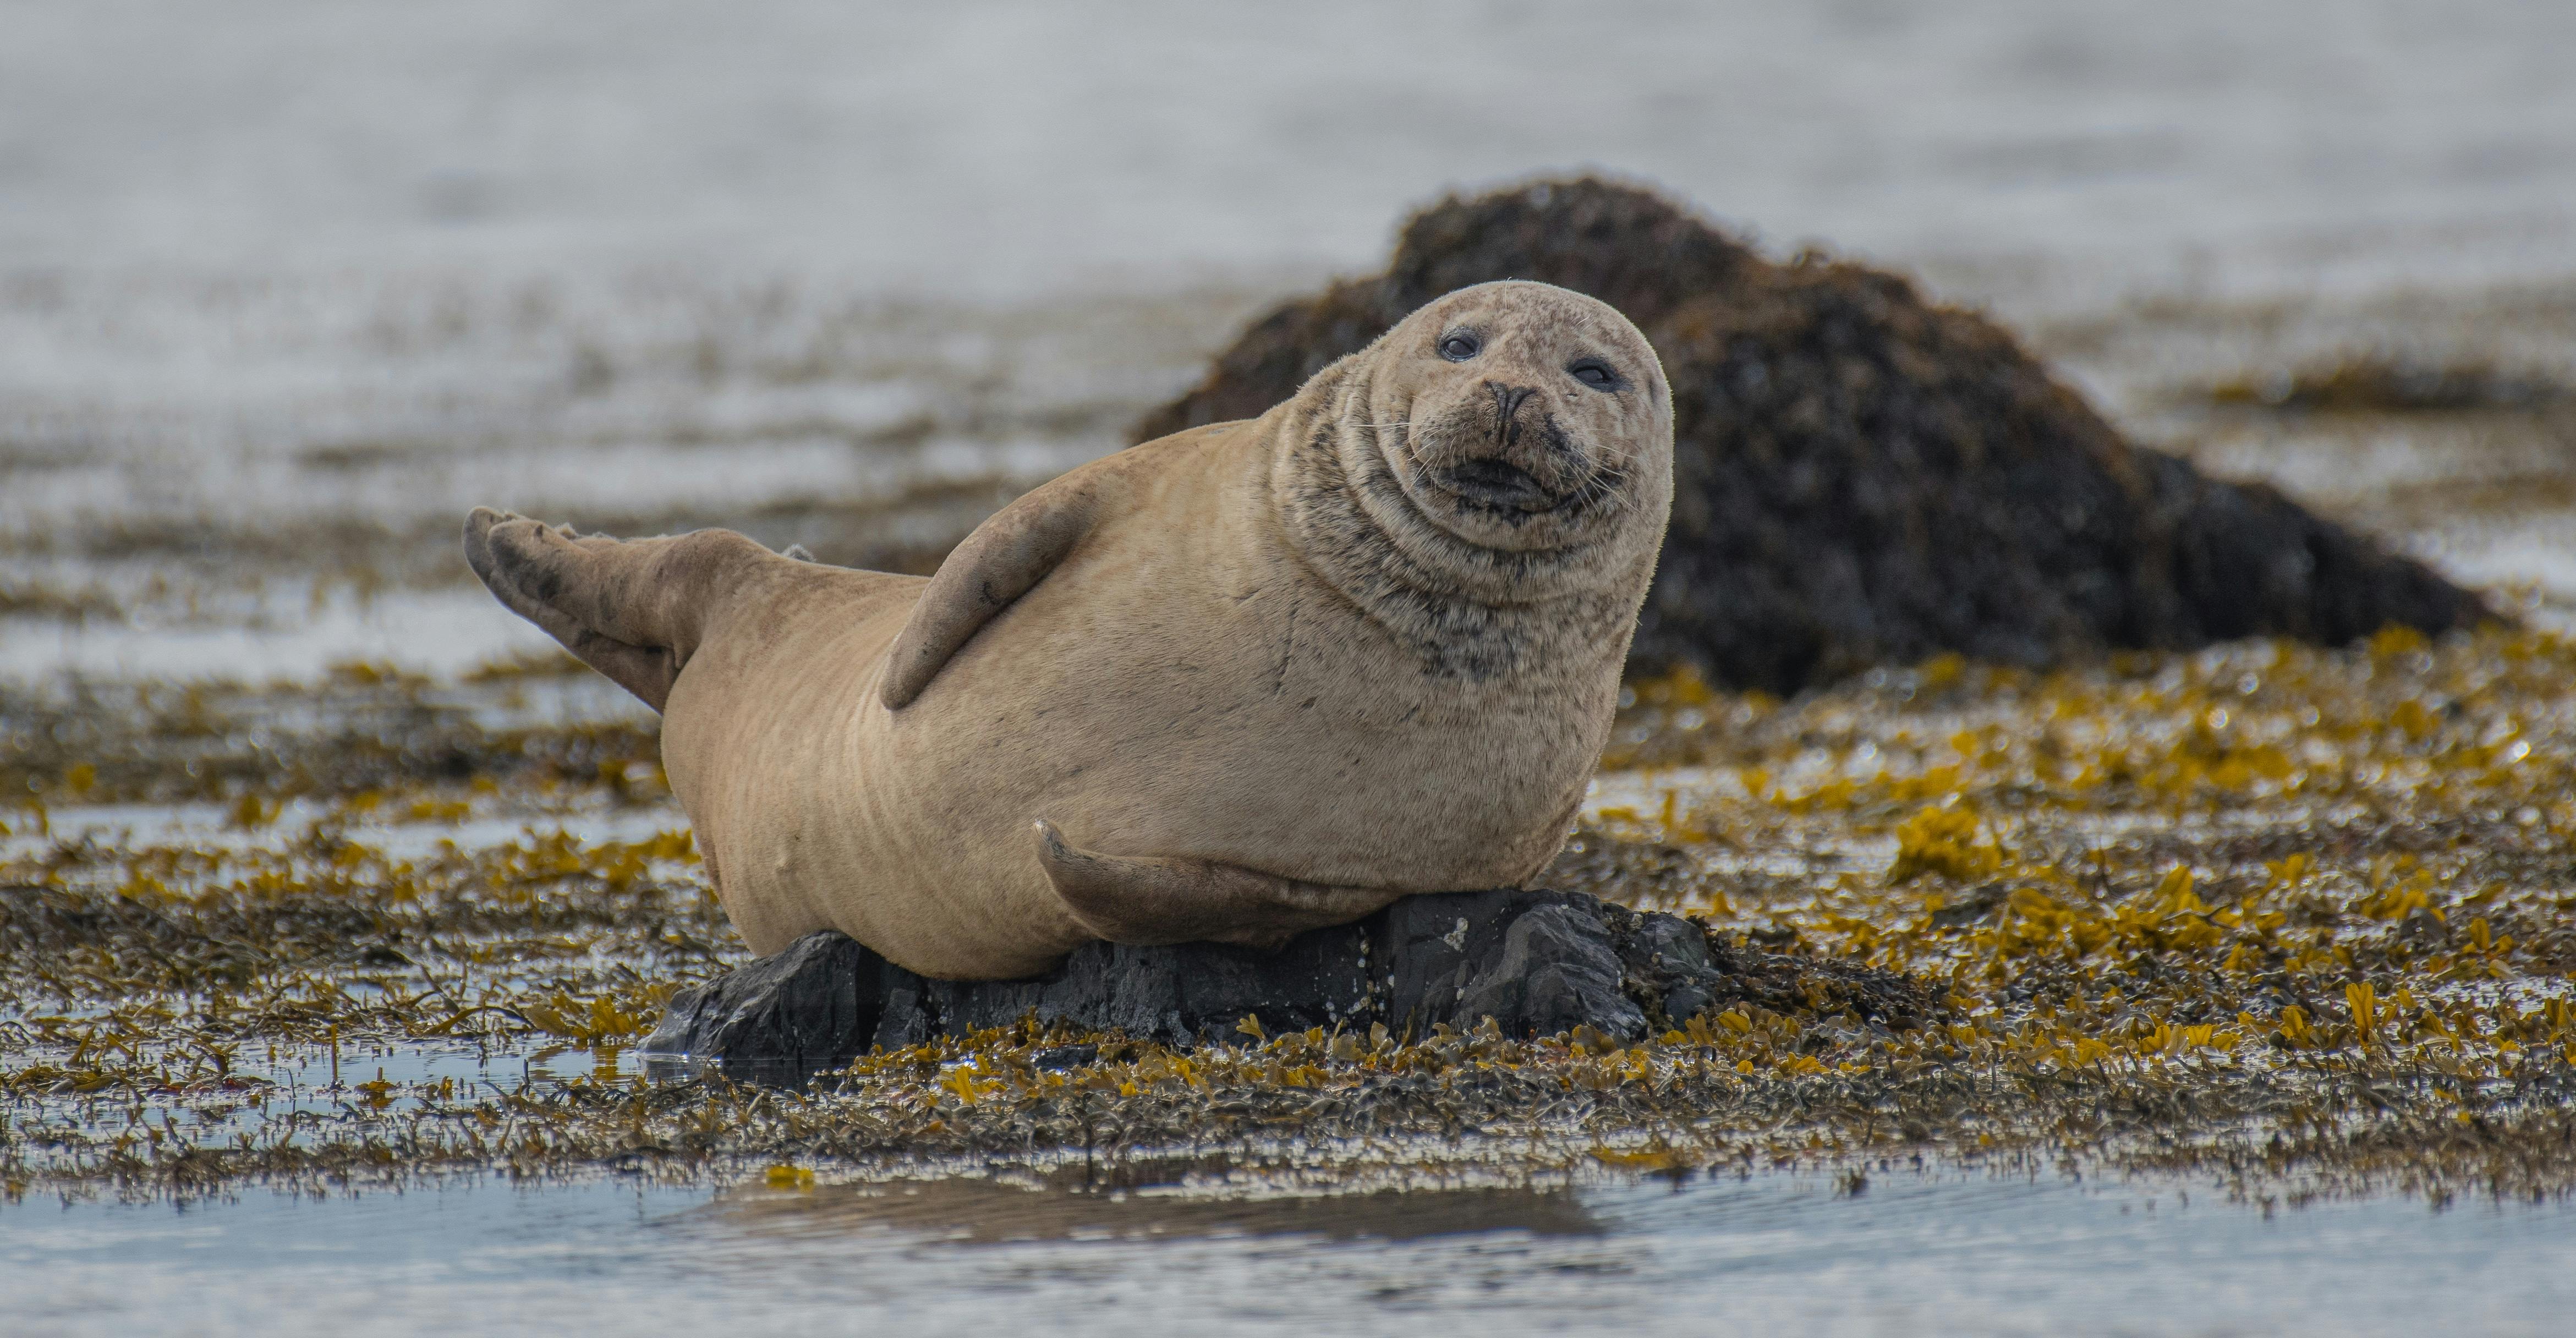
<point x="1559" y="970"/>
<point x="1168" y="994"/>
<point x="784" y="1017"/>
<point x="1537" y="963"/>
<point x="1863" y="477"/>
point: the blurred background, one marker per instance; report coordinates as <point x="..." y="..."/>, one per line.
<point x="285" y="288"/>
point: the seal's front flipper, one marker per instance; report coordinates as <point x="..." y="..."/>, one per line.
<point x="630" y="608"/>
<point x="998" y="563"/>
<point x="1149" y="901"/>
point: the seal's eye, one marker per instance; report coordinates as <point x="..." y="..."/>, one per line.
<point x="1595" y="373"/>
<point x="1461" y="346"/>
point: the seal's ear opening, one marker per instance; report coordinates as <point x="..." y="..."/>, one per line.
<point x="1147" y="902"/>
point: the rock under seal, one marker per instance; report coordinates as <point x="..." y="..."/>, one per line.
<point x="1538" y="963"/>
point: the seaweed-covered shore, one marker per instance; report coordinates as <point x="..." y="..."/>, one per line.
<point x="2290" y="919"/>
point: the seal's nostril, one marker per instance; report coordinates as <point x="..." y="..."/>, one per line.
<point x="1507" y="402"/>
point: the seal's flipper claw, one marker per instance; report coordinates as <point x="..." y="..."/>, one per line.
<point x="632" y="609"/>
<point x="1141" y="902"/>
<point x="550" y="578"/>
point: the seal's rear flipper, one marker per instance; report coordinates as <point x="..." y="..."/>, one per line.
<point x="631" y="609"/>
<point x="1144" y="902"/>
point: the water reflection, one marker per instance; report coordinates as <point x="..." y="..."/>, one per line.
<point x="986" y="1212"/>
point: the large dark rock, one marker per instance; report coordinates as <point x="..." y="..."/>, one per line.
<point x="1538" y="963"/>
<point x="1863" y="477"/>
<point x="782" y="1018"/>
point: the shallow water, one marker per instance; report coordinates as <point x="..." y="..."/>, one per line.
<point x="1914" y="1253"/>
<point x="1013" y="146"/>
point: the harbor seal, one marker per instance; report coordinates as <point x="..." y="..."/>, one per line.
<point x="1233" y="684"/>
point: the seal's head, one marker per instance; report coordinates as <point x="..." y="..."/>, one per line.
<point x="1510" y="442"/>
<point x="1533" y="417"/>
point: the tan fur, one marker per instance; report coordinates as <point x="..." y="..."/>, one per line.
<point x="1235" y="683"/>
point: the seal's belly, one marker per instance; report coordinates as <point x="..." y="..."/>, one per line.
<point x="1265" y="732"/>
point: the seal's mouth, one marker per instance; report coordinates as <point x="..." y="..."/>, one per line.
<point x="1489" y="459"/>
<point x="1519" y="490"/>
<point x="1506" y="492"/>
<point x="1498" y="485"/>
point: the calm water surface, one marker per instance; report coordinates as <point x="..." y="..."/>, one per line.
<point x="1778" y="1253"/>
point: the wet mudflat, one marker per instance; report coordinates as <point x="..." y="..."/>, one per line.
<point x="2290" y="923"/>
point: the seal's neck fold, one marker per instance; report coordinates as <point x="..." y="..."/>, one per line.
<point x="1469" y="611"/>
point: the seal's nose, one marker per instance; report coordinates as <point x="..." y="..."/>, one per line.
<point x="1507" y="403"/>
<point x="1510" y="468"/>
